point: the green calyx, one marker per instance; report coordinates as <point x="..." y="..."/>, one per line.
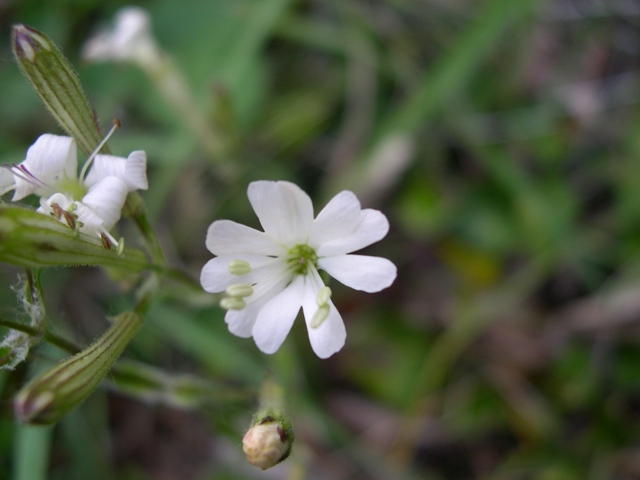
<point x="55" y="81"/>
<point x="54" y="393"/>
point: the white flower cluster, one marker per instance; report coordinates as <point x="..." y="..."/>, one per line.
<point x="91" y="202"/>
<point x="268" y="276"/>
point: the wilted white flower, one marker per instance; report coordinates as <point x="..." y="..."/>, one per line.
<point x="268" y="276"/>
<point x="130" y="40"/>
<point x="91" y="202"/>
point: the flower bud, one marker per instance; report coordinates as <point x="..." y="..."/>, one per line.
<point x="54" y="393"/>
<point x="57" y="84"/>
<point x="270" y="438"/>
<point x="268" y="442"/>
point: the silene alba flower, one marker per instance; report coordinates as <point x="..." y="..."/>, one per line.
<point x="130" y="40"/>
<point x="268" y="276"/>
<point x="91" y="201"/>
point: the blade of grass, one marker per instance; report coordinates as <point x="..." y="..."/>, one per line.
<point x="252" y="36"/>
<point x="448" y="76"/>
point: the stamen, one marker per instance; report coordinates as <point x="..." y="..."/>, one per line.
<point x="232" y="303"/>
<point x="108" y="240"/>
<point x="106" y="244"/>
<point x="116" y="125"/>
<point x="320" y="316"/>
<point x="70" y="218"/>
<point x="323" y="296"/>
<point x="57" y="210"/>
<point x="22" y="173"/>
<point x="239" y="290"/>
<point x="34" y="179"/>
<point x="239" y="267"/>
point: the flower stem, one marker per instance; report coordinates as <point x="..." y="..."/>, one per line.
<point x="49" y="337"/>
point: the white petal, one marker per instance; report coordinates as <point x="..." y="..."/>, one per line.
<point x="241" y="322"/>
<point x="284" y="210"/>
<point x="127" y="40"/>
<point x="106" y="199"/>
<point x="360" y="272"/>
<point x="136" y="171"/>
<point x="131" y="170"/>
<point x="225" y="237"/>
<point x="48" y="159"/>
<point x="215" y="276"/>
<point x="276" y="317"/>
<point x="7" y="181"/>
<point x="105" y="166"/>
<point x="132" y="24"/>
<point x="371" y="228"/>
<point x="92" y="223"/>
<point x="60" y="199"/>
<point x="337" y="219"/>
<point x="330" y="336"/>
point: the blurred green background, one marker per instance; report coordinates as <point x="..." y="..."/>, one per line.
<point x="502" y="140"/>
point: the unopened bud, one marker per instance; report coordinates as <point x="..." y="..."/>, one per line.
<point x="268" y="442"/>
<point x="54" y="393"/>
<point x="270" y="438"/>
<point x="56" y="83"/>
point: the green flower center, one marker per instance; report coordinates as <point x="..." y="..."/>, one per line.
<point x="300" y="257"/>
<point x="72" y="187"/>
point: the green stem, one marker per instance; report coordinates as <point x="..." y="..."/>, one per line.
<point x="47" y="336"/>
<point x="134" y="208"/>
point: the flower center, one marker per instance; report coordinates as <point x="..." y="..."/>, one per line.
<point x="72" y="187"/>
<point x="300" y="257"/>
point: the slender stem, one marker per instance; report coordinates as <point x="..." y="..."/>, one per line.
<point x="47" y="336"/>
<point x="136" y="211"/>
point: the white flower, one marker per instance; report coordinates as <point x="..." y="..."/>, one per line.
<point x="94" y="200"/>
<point x="268" y="276"/>
<point x="129" y="41"/>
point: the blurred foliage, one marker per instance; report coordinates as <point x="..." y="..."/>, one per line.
<point x="501" y="138"/>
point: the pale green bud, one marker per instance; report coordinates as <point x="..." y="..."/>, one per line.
<point x="54" y="393"/>
<point x="31" y="239"/>
<point x="57" y="84"/>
